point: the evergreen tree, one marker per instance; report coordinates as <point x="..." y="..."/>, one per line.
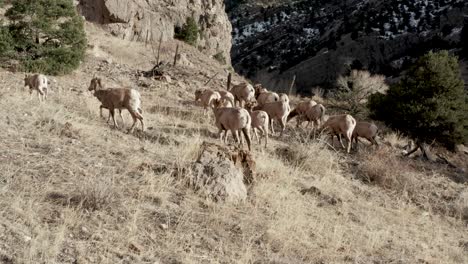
<point x="429" y="104"/>
<point x="188" y="32"/>
<point x="45" y="35"/>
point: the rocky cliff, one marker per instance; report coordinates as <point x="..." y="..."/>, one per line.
<point x="320" y="39"/>
<point x="147" y="19"/>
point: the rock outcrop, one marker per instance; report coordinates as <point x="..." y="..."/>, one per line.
<point x="221" y="174"/>
<point x="149" y="19"/>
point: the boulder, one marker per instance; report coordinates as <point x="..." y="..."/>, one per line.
<point x="221" y="174"/>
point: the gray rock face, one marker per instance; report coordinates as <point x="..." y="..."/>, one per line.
<point x="217" y="175"/>
<point x="147" y="19"/>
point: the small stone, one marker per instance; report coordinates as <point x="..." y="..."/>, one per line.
<point x="27" y="238"/>
<point x="163" y="226"/>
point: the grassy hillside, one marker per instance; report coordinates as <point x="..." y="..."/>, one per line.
<point x="74" y="190"/>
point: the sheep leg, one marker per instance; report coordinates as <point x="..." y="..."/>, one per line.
<point x="256" y="135"/>
<point x="341" y="142"/>
<point x="235" y="136"/>
<point x="112" y="112"/>
<point x="271" y="125"/>
<point x="46" y="91"/>
<point x="265" y="133"/>
<point x="283" y="125"/>
<point x="246" y="132"/>
<point x="348" y="138"/>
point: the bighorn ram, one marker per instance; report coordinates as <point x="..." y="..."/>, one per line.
<point x="341" y="125"/>
<point x="366" y="130"/>
<point x="207" y="97"/>
<point x="243" y="92"/>
<point x="234" y="119"/>
<point x="37" y="82"/>
<point x="118" y="98"/>
<point x="276" y="111"/>
<point x="260" y="122"/>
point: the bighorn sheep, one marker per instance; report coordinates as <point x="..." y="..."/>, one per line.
<point x="366" y="130"/>
<point x="207" y="97"/>
<point x="118" y="98"/>
<point x="234" y="119"/>
<point x="265" y="96"/>
<point x="300" y="110"/>
<point x="341" y="125"/>
<point x="227" y="96"/>
<point x="243" y="92"/>
<point x="284" y="97"/>
<point x="276" y="111"/>
<point x="37" y="82"/>
<point x="260" y="122"/>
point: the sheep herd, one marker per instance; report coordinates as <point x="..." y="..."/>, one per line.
<point x="241" y="110"/>
<point x="257" y="108"/>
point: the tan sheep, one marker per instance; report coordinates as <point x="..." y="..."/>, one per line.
<point x="207" y="97"/>
<point x="234" y="119"/>
<point x="276" y="111"/>
<point x="37" y="82"/>
<point x="300" y="110"/>
<point x="341" y="125"/>
<point x="118" y="98"/>
<point x="314" y="115"/>
<point x="366" y="130"/>
<point x="243" y="93"/>
<point x="260" y="122"/>
<point x="267" y="97"/>
<point x="227" y="96"/>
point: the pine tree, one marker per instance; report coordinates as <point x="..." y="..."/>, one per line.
<point x="45" y="35"/>
<point x="429" y="104"/>
<point x="188" y="32"/>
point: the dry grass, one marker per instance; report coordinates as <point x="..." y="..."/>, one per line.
<point x="73" y="190"/>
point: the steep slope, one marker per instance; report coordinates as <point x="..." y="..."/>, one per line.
<point x="318" y="40"/>
<point x="142" y="20"/>
<point x="74" y="190"/>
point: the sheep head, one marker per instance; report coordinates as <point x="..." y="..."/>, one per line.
<point x="198" y="94"/>
<point x="95" y="82"/>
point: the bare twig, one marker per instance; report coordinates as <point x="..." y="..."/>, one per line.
<point x="211" y="79"/>
<point x="292" y="85"/>
<point x="228" y="87"/>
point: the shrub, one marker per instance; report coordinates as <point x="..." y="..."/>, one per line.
<point x="354" y="90"/>
<point x="45" y="35"/>
<point x="429" y="104"/>
<point x="188" y="32"/>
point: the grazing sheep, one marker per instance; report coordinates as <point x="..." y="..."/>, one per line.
<point x="37" y="82"/>
<point x="260" y="122"/>
<point x="314" y="115"/>
<point x="234" y="119"/>
<point x="227" y="96"/>
<point x="243" y="93"/>
<point x="118" y="98"/>
<point x="207" y="97"/>
<point x="366" y="130"/>
<point x="276" y="111"/>
<point x="341" y="125"/>
<point x="259" y="89"/>
<point x="300" y="110"/>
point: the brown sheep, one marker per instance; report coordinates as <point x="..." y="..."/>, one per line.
<point x="234" y="119"/>
<point x="300" y="110"/>
<point x="207" y="97"/>
<point x="37" y="82"/>
<point x="366" y="130"/>
<point x="260" y="122"/>
<point x="341" y="125"/>
<point x="276" y="111"/>
<point x="243" y="93"/>
<point x="119" y="98"/>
